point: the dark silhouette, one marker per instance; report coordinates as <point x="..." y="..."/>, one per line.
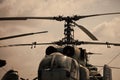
<point x="2" y="63"/>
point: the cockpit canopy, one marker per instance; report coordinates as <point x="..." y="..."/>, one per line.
<point x="57" y="66"/>
<point x="56" y="60"/>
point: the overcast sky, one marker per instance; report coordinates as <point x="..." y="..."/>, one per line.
<point x="26" y="60"/>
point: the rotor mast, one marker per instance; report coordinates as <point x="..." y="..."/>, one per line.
<point x="68" y="31"/>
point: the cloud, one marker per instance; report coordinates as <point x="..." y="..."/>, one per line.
<point x="109" y="30"/>
<point x="1" y="1"/>
<point x="42" y="7"/>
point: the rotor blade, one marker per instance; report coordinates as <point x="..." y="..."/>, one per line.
<point x="21" y="35"/>
<point x="86" y="31"/>
<point x="90" y="53"/>
<point x="110" y="67"/>
<point x="59" y="18"/>
<point x="97" y="43"/>
<point x="25" y="18"/>
<point x="86" y="16"/>
<point x="33" y="44"/>
<point x="13" y="45"/>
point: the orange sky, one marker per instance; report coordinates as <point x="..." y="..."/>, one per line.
<point x="26" y="60"/>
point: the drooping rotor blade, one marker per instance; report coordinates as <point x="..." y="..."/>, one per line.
<point x="86" y="31"/>
<point x="93" y="15"/>
<point x="25" y="18"/>
<point x="97" y="43"/>
<point x="21" y="35"/>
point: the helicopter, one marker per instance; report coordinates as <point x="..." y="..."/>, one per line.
<point x="66" y="61"/>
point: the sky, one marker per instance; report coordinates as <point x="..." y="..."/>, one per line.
<point x="26" y="60"/>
